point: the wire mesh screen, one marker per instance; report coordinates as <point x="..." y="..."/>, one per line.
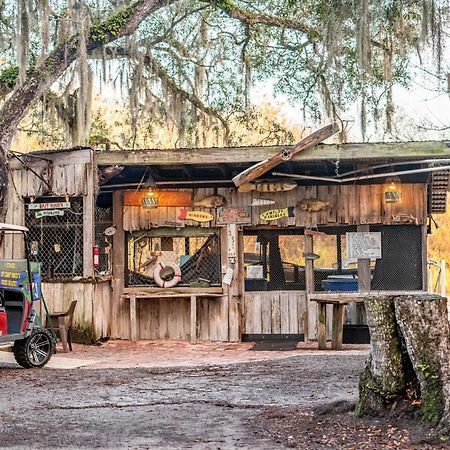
<point x="274" y="261"/>
<point x="57" y="240"/>
<point x="197" y="256"/>
<point x="401" y="264"/>
<point x="103" y="220"/>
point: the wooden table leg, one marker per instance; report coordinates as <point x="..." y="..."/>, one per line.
<point x="193" y="319"/>
<point x="322" y="326"/>
<point x="337" y="327"/>
<point x="133" y="323"/>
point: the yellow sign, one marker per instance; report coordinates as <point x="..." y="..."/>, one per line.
<point x="275" y="214"/>
<point x="197" y="216"/>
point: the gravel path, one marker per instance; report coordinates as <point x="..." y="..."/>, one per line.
<point x="205" y="408"/>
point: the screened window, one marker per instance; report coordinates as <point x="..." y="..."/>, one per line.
<point x="56" y="236"/>
<point x="195" y="250"/>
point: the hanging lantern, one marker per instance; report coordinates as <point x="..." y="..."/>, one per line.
<point x="150" y="199"/>
<point x="392" y="190"/>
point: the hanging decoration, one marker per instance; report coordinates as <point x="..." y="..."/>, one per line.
<point x="313" y="205"/>
<point x="212" y="201"/>
<point x="197" y="216"/>
<point x="267" y="187"/>
<point x="275" y="214"/>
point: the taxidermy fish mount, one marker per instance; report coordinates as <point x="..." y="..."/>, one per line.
<point x="212" y="201"/>
<point x="314" y="205"/>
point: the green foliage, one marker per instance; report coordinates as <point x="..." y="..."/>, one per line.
<point x="8" y="76"/>
<point x="102" y="31"/>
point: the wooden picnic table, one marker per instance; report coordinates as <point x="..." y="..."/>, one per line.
<point x="134" y="296"/>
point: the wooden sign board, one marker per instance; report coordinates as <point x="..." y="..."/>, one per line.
<point x="49" y="213"/>
<point x="197" y="216"/>
<point x="227" y="215"/>
<point x="363" y="245"/>
<point x="53" y="205"/>
<point x="275" y="214"/>
<point x="163" y="198"/>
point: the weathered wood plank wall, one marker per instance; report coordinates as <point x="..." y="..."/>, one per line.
<point x="91" y="319"/>
<point x="351" y="205"/>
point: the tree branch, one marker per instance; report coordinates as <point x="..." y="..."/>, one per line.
<point x="120" y="24"/>
<point x="163" y="75"/>
<point x="251" y="18"/>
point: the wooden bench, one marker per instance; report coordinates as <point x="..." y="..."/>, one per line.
<point x="134" y="296"/>
<point x="338" y="300"/>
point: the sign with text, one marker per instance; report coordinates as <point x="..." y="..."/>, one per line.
<point x="363" y="245"/>
<point x="49" y="213"/>
<point x="227" y="215"/>
<point x="149" y="199"/>
<point x="52" y="205"/>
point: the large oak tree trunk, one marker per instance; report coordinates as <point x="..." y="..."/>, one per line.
<point x="409" y="358"/>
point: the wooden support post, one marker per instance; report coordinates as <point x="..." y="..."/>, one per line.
<point x="443" y="288"/>
<point x="337" y="327"/>
<point x="194" y="337"/>
<point x="118" y="266"/>
<point x="133" y="322"/>
<point x="364" y="278"/>
<point x="322" y="326"/>
<point x="311" y="307"/>
<point x="88" y="220"/>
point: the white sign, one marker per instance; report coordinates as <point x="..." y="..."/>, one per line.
<point x="54" y="205"/>
<point x="363" y="245"/>
<point x="228" y="277"/>
<point x="255" y="272"/>
<point x="48" y="213"/>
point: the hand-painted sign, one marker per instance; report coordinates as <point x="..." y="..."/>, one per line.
<point x="53" y="205"/>
<point x="14" y="275"/>
<point x="149" y="199"/>
<point x="275" y="214"/>
<point x="226" y="215"/>
<point x="49" y="213"/>
<point x="197" y="216"/>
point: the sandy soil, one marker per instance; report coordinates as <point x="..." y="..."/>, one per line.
<point x="200" y="405"/>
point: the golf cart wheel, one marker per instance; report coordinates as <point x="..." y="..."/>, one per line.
<point x="36" y="350"/>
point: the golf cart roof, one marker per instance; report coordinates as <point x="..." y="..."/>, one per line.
<point x="10" y="227"/>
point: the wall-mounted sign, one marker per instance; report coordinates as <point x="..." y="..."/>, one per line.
<point x="197" y="216"/>
<point x="363" y="245"/>
<point x="150" y="199"/>
<point x="53" y="205"/>
<point x="226" y="215"/>
<point x="49" y="213"/>
<point x="275" y="214"/>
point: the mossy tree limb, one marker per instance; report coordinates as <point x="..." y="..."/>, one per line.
<point x="39" y="80"/>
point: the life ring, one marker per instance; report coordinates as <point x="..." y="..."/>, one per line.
<point x="167" y="284"/>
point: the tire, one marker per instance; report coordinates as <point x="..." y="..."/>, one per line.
<point x="36" y="350"/>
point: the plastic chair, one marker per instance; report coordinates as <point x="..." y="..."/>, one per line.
<point x="62" y="321"/>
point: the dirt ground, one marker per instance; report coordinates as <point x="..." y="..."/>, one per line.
<point x="251" y="400"/>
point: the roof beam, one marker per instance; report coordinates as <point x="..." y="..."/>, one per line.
<point x="235" y="155"/>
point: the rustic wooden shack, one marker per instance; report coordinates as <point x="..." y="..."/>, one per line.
<point x="160" y="244"/>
